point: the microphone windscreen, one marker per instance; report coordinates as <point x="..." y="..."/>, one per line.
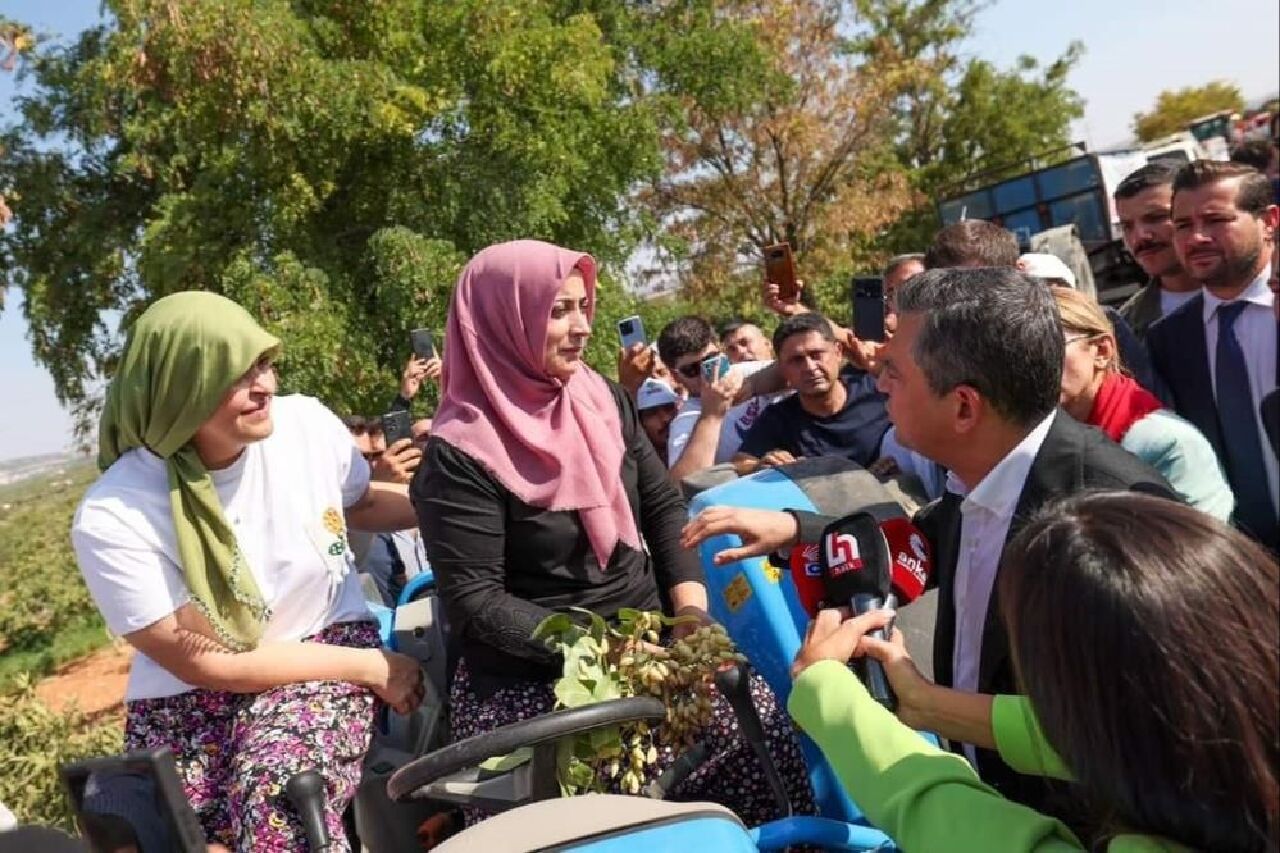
<point x="910" y="558"/>
<point x="806" y="575"/>
<point x="854" y="559"/>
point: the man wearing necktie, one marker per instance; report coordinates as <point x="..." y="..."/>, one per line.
<point x="1217" y="354"/>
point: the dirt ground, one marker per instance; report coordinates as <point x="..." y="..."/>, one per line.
<point x="95" y="682"/>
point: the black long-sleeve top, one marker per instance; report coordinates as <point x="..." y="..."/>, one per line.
<point x="502" y="566"/>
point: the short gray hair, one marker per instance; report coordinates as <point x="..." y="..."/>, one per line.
<point x="993" y="329"/>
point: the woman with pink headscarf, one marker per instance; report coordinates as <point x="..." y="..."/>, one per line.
<point x="539" y="491"/>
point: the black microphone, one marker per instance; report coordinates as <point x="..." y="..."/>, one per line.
<point x="306" y="791"/>
<point x="856" y="569"/>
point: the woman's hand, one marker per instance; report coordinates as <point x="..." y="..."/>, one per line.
<point x="913" y="690"/>
<point x="635" y="365"/>
<point x="397" y="680"/>
<point x="763" y="531"/>
<point x="700" y="618"/>
<point x="834" y="636"/>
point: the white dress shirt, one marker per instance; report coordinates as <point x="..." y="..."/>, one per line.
<point x="1255" y="329"/>
<point x="985" y="515"/>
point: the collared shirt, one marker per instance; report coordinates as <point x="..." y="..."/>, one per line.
<point x="985" y="516"/>
<point x="1255" y="329"/>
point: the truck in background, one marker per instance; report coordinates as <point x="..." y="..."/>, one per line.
<point x="1070" y="186"/>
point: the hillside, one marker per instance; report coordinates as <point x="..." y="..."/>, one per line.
<point x="47" y="620"/>
<point x="46" y="616"/>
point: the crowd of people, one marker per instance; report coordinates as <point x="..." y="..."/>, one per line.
<point x="1099" y="487"/>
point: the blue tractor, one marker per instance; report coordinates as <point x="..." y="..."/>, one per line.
<point x="759" y="607"/>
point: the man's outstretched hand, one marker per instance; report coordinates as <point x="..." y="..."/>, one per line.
<point x="762" y="531"/>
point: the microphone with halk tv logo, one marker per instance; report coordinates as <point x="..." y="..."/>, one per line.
<point x="910" y="567"/>
<point x="863" y="568"/>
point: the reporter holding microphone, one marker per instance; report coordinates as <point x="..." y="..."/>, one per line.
<point x="1146" y="636"/>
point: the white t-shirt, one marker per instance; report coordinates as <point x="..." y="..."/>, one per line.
<point x="736" y="422"/>
<point x="284" y="498"/>
<point x="1171" y="301"/>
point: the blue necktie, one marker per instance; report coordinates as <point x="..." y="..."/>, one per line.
<point x="1245" y="461"/>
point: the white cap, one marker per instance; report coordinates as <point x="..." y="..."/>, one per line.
<point x="1038" y="265"/>
<point x="654" y="393"/>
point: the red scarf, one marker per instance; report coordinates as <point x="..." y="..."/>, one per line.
<point x="1121" y="402"/>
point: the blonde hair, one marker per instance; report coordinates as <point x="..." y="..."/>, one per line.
<point x="1083" y="315"/>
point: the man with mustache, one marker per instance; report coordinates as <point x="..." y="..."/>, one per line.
<point x="1217" y="353"/>
<point x="1144" y="203"/>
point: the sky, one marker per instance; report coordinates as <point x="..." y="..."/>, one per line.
<point x="1133" y="50"/>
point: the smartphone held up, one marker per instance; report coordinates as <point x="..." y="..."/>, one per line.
<point x="867" y="295"/>
<point x="715" y="367"/>
<point x="631" y="331"/>
<point x="780" y="269"/>
<point x="424" y="343"/>
<point x="396" y="425"/>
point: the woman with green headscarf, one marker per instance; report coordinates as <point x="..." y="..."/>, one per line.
<point x="215" y="543"/>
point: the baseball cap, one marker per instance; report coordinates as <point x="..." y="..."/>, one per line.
<point x="654" y="393"/>
<point x="1042" y="265"/>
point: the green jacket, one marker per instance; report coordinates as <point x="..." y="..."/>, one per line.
<point x="927" y="799"/>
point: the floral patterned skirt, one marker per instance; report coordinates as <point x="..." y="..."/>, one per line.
<point x="235" y="751"/>
<point x="731" y="775"/>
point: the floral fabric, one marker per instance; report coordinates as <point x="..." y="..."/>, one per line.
<point x="235" y="752"/>
<point x="731" y="775"/>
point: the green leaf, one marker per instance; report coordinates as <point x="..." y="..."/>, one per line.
<point x="554" y="627"/>
<point x="573" y="694"/>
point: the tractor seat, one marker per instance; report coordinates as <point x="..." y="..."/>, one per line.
<point x="593" y="819"/>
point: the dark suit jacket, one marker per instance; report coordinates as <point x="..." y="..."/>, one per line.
<point x="1271" y="419"/>
<point x="1142" y="309"/>
<point x="1073" y="458"/>
<point x="1132" y="352"/>
<point x="1180" y="357"/>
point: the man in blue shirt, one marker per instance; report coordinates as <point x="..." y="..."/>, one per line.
<point x="832" y="413"/>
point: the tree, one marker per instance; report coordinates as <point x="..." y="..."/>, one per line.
<point x="330" y="164"/>
<point x="15" y="40"/>
<point x="957" y="117"/>
<point x="796" y="155"/>
<point x="1175" y="109"/>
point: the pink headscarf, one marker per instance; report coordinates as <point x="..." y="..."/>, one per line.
<point x="554" y="445"/>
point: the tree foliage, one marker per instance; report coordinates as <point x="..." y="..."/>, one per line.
<point x="959" y="116"/>
<point x="794" y="153"/>
<point x="1174" y="109"/>
<point x="329" y="163"/>
<point x="332" y="163"/>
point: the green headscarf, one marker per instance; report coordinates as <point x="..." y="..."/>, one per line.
<point x="182" y="356"/>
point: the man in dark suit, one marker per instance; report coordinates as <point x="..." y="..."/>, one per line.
<point x="973" y="378"/>
<point x="1144" y="205"/>
<point x="1217" y="355"/>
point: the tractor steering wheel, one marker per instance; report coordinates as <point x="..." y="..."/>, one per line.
<point x="415" y="779"/>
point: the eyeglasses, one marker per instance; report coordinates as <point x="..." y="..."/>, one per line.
<point x="691" y="370"/>
<point x="1071" y="340"/>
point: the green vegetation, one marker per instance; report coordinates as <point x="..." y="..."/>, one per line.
<point x="46" y="619"/>
<point x="34" y="741"/>
<point x="46" y="615"/>
<point x="331" y="164"/>
<point x="1174" y="109"/>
